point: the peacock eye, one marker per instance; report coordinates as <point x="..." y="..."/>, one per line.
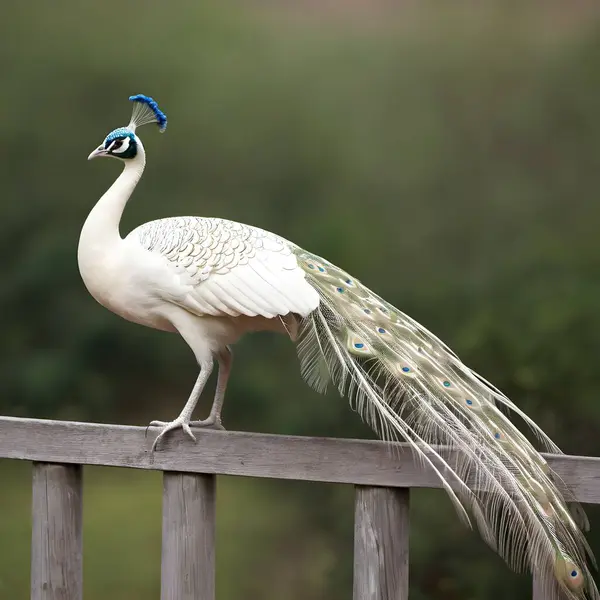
<point x="117" y="144"/>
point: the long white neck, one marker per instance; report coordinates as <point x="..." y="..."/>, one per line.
<point x="100" y="232"/>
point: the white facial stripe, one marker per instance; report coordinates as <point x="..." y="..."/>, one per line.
<point x="122" y="148"/>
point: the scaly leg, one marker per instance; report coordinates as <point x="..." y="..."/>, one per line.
<point x="183" y="420"/>
<point x="225" y="359"/>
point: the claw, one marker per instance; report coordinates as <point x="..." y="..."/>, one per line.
<point x="170" y="426"/>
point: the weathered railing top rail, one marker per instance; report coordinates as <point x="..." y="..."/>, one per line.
<point x="382" y="479"/>
<point x="332" y="460"/>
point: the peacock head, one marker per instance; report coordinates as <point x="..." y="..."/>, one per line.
<point x="123" y="143"/>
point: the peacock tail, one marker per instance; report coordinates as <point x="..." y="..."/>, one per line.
<point x="408" y="385"/>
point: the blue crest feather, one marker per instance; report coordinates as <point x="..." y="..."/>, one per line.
<point x="118" y="133"/>
<point x="146" y="111"/>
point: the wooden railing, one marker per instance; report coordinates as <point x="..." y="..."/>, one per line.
<point x="382" y="480"/>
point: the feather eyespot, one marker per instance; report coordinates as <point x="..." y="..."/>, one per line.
<point x="571" y="574"/>
<point x="364" y="311"/>
<point x="499" y="435"/>
<point x="576" y="581"/>
<point x="381" y="330"/>
<point x="340" y="290"/>
<point x="356" y="345"/>
<point x="471" y="403"/>
<point x="315" y="266"/>
<point x="451" y="388"/>
<point x="406" y="370"/>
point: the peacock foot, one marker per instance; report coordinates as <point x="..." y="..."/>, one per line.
<point x="170" y="426"/>
<point x="209" y="423"/>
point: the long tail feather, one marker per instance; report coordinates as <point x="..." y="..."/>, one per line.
<point x="408" y="385"/>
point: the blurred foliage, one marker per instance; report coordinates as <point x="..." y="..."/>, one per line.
<point x="447" y="156"/>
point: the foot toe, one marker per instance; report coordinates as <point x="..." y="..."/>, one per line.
<point x="170" y="426"/>
<point x="186" y="428"/>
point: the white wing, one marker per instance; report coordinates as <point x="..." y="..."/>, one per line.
<point x="227" y="268"/>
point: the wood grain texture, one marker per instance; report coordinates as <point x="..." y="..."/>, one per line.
<point x="251" y="454"/>
<point x="381" y="532"/>
<point x="188" y="537"/>
<point x="56" y="548"/>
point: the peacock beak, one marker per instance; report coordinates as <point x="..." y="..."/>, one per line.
<point x="99" y="151"/>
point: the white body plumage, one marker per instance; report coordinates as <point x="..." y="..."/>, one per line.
<point x="209" y="279"/>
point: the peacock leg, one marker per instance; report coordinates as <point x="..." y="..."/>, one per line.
<point x="225" y="360"/>
<point x="183" y="420"/>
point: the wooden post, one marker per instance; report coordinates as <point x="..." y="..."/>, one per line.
<point x="381" y="532"/>
<point x="188" y="537"/>
<point x="56" y="541"/>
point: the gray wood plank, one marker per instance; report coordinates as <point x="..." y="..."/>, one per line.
<point x="188" y="537"/>
<point x="250" y="454"/>
<point x="56" y="541"/>
<point x="381" y="532"/>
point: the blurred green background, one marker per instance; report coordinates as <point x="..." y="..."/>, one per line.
<point x="445" y="153"/>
